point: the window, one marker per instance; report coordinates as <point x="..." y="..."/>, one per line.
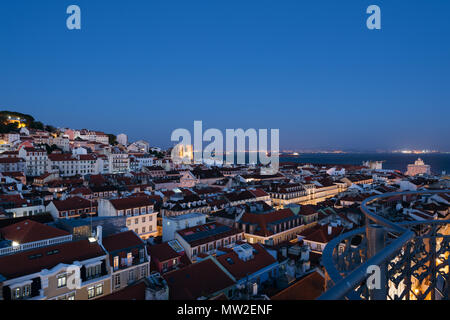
<point x="17" y="293"/>
<point x="62" y="280"/>
<point x="129" y="259"/>
<point x="131" y="275"/>
<point x="143" y="210"/>
<point x="117" y="280"/>
<point x="143" y="219"/>
<point x="99" y="289"/>
<point x="71" y="296"/>
<point x="136" y="221"/>
<point x="116" y="262"/>
<point x="94" y="271"/>
<point x="143" y="271"/>
<point x="128" y="222"/>
<point x="95" y="291"/>
<point x="26" y="291"/>
<point x="143" y="229"/>
<point x="136" y="210"/>
<point x="91" y="292"/>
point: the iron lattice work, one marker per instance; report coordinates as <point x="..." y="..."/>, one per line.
<point x="412" y="257"/>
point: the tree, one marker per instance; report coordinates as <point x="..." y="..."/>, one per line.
<point x="37" y="125"/>
<point x="50" y="128"/>
<point x="52" y="148"/>
<point x="112" y="139"/>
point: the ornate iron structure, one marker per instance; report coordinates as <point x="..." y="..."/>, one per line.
<point x="389" y="261"/>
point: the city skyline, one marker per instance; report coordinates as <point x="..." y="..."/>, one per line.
<point x="314" y="71"/>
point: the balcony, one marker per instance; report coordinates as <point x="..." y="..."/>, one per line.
<point x="406" y="260"/>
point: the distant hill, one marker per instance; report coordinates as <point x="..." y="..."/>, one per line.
<point x="12" y="121"/>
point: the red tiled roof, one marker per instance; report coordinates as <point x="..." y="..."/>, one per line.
<point x="203" y="278"/>
<point x="132" y="292"/>
<point x="86" y="157"/>
<point x="263" y="219"/>
<point x="306" y="210"/>
<point x="30" y="231"/>
<point x="320" y="234"/>
<point x="307" y="288"/>
<point x="11" y="160"/>
<point x="61" y="157"/>
<point x="259" y="193"/>
<point x="15" y="198"/>
<point x="121" y="240"/>
<point x="23" y="263"/>
<point x="73" y="204"/>
<point x="240" y="269"/>
<point x="162" y="252"/>
<point x="131" y="202"/>
<point x="81" y="190"/>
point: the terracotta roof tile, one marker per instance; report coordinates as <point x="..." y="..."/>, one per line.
<point x="30" y="231"/>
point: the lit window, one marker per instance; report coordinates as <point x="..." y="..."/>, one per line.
<point x="116" y="262"/>
<point x="62" y="280"/>
<point x="143" y="271"/>
<point x="99" y="289"/>
<point x="91" y="292"/>
<point x="26" y="291"/>
<point x="17" y="293"/>
<point x="117" y="280"/>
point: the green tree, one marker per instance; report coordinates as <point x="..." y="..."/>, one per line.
<point x="112" y="139"/>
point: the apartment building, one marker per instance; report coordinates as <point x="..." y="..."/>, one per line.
<point x="128" y="259"/>
<point x="166" y="256"/>
<point x="76" y="270"/>
<point x="15" y="206"/>
<point x="12" y="165"/>
<point x="68" y="165"/>
<point x="36" y="160"/>
<point x="139" y="212"/>
<point x="206" y="239"/>
<point x="119" y="162"/>
<point x="73" y="207"/>
<point x="271" y="228"/>
<point x="179" y="204"/>
<point x="60" y="142"/>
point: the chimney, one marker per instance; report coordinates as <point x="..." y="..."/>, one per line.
<point x="99" y="234"/>
<point x="330" y="229"/>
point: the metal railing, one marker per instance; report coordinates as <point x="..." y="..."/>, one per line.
<point x="35" y="244"/>
<point x="412" y="258"/>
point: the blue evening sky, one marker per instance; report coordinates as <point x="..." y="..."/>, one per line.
<point x="310" y="68"/>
